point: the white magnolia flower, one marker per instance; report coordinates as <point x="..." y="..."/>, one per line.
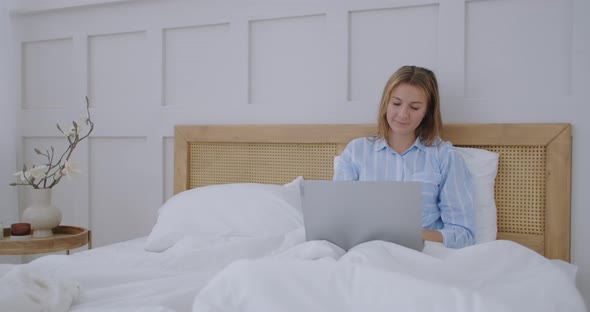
<point x="70" y="169"/>
<point x="33" y="173"/>
<point x="23" y="176"/>
<point x="38" y="171"/>
<point x="82" y="121"/>
<point x="73" y="131"/>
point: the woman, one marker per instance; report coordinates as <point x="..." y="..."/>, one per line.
<point x="407" y="147"/>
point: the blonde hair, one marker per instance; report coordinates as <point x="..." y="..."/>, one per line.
<point x="431" y="126"/>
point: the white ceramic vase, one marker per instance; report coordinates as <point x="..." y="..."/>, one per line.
<point x="42" y="216"/>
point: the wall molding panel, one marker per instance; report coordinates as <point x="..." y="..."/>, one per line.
<point x="380" y="43"/>
<point x="499" y="43"/>
<point x="195" y="60"/>
<point x="123" y="188"/>
<point x="287" y="48"/>
<point x="47" y="73"/>
<point x="117" y="67"/>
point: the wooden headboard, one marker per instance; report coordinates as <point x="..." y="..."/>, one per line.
<point x="533" y="184"/>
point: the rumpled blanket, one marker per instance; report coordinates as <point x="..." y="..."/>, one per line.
<point x="379" y="276"/>
<point x="25" y="289"/>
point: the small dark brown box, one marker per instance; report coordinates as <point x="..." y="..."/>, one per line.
<point x="20" y="229"/>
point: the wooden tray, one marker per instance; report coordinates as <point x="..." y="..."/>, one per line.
<point x="64" y="238"/>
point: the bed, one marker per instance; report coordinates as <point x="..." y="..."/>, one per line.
<point x="231" y="237"/>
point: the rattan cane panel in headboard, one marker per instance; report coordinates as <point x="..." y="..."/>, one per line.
<point x="278" y="163"/>
<point x="520" y="188"/>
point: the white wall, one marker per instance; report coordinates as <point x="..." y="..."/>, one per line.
<point x="8" y="126"/>
<point x="8" y="115"/>
<point x="148" y="65"/>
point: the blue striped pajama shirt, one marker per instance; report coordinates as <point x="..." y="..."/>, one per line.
<point x="447" y="188"/>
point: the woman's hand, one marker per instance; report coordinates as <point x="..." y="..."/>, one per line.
<point x="432" y="235"/>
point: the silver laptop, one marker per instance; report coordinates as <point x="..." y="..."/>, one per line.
<point x="348" y="213"/>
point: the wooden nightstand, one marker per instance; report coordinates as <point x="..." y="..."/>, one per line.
<point x="64" y="238"/>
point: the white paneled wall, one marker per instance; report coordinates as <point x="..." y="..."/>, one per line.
<point x="501" y="38"/>
<point x="196" y="60"/>
<point x="8" y="125"/>
<point x="48" y="73"/>
<point x="380" y="43"/>
<point x="117" y="66"/>
<point x="282" y="51"/>
<point x="120" y="206"/>
<point x="148" y="65"/>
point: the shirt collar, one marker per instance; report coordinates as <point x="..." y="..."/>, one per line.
<point x="382" y="144"/>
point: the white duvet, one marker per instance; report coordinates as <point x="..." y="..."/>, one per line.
<point x="378" y="276"/>
<point x="281" y="273"/>
<point x="124" y="277"/>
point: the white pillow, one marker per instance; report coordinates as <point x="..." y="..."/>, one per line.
<point x="483" y="166"/>
<point x="239" y="209"/>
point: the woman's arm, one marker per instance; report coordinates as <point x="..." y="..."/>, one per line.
<point x="456" y="200"/>
<point x="344" y="170"/>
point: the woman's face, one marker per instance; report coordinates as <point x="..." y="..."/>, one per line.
<point x="406" y="109"/>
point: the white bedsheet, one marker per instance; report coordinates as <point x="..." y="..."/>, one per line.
<point x="124" y="277"/>
<point x="378" y="276"/>
<point x="30" y="290"/>
<point x="281" y="273"/>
